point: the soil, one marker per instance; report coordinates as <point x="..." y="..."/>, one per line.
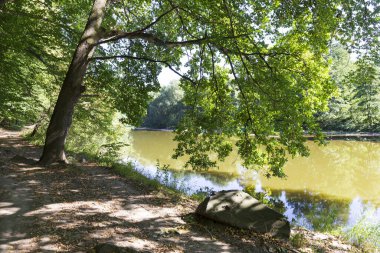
<point x="77" y="208"/>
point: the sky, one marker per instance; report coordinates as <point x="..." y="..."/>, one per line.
<point x="167" y="76"/>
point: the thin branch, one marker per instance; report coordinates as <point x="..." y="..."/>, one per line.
<point x="201" y="52"/>
<point x="89" y="95"/>
<point x="115" y="35"/>
<point x="48" y="67"/>
<point x="242" y="93"/>
<point x="181" y="20"/>
<point x="36" y="55"/>
<point x="100" y="58"/>
<point x="157" y="19"/>
<point x="214" y="77"/>
<point x="151" y="38"/>
<point x="240" y="55"/>
<point x="225" y="50"/>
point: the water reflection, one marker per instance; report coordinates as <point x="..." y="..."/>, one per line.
<point x="359" y="210"/>
<point x="338" y="185"/>
<point x="313" y="211"/>
<point x="188" y="181"/>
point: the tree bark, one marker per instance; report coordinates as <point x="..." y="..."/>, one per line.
<point x="72" y="88"/>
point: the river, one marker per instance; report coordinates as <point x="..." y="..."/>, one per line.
<point x="338" y="185"/>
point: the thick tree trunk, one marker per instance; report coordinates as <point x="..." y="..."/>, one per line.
<point x="72" y="88"/>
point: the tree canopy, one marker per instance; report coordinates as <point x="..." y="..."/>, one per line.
<point x="250" y="69"/>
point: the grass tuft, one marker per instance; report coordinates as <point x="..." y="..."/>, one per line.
<point x="298" y="240"/>
<point x="364" y="234"/>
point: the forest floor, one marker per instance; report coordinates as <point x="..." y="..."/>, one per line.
<point x="73" y="208"/>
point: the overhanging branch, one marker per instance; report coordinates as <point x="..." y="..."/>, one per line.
<point x="153" y="39"/>
<point x="167" y="64"/>
<point x="116" y="35"/>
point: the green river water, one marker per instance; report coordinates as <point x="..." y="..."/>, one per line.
<point x="338" y="185"/>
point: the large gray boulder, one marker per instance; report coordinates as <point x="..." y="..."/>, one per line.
<point x="239" y="209"/>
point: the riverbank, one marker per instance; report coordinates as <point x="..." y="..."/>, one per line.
<point x="73" y="208"/>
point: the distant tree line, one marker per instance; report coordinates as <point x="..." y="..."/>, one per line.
<point x="356" y="104"/>
<point x="166" y="109"/>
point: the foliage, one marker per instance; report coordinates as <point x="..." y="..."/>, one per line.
<point x="96" y="130"/>
<point x="366" y="95"/>
<point x="365" y="234"/>
<point x="356" y="107"/>
<point x="338" y="115"/>
<point x="201" y="194"/>
<point x="38" y="41"/>
<point x="166" y="110"/>
<point x="298" y="240"/>
<point x="33" y="57"/>
<point x="249" y="69"/>
<point x="111" y="150"/>
<point x="265" y="198"/>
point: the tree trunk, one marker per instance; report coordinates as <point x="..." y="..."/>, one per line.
<point x="72" y="88"/>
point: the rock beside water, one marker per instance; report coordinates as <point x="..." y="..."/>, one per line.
<point x="239" y="209"/>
